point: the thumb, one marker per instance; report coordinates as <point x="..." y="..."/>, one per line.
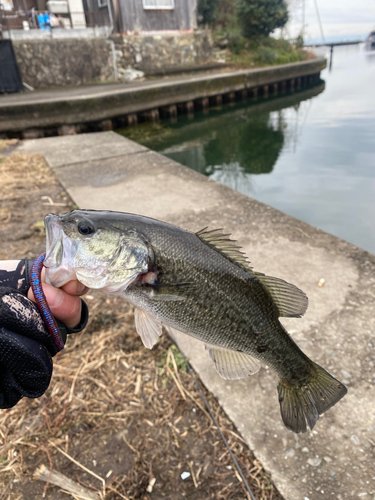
<point x="65" y="307"/>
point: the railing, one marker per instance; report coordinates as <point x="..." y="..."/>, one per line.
<point x="44" y="20"/>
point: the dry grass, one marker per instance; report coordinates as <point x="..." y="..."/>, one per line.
<point x="118" y="421"/>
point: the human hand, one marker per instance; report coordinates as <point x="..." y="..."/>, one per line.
<point x="26" y="345"/>
<point x="64" y="302"/>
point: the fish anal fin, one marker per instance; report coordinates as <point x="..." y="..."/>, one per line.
<point x="290" y="301"/>
<point x="147" y="327"/>
<point x="232" y="365"/>
<point x="221" y="242"/>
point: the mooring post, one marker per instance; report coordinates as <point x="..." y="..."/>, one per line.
<point x="71" y="129"/>
<point x="203" y="104"/>
<point x="217" y="100"/>
<point x="169" y="111"/>
<point x="275" y="88"/>
<point x="243" y="94"/>
<point x="131" y="120"/>
<point x="33" y="133"/>
<point x="299" y="82"/>
<point x="330" y="58"/>
<point x="231" y="97"/>
<point x="152" y="115"/>
<point x="254" y="92"/>
<point x="265" y="90"/>
<point x="291" y="84"/>
<point x="103" y="126"/>
<point x="283" y="86"/>
<point x="188" y="108"/>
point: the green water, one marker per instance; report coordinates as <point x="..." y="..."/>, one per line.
<point x="310" y="154"/>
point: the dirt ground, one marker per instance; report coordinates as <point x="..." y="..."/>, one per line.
<point x="118" y="421"/>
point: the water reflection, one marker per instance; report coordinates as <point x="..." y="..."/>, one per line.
<point x="310" y="154"/>
<point x="245" y="139"/>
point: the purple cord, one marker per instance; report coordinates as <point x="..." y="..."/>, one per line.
<point x="41" y="302"/>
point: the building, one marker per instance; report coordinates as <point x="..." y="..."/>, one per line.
<point x="120" y="15"/>
<point x="155" y="15"/>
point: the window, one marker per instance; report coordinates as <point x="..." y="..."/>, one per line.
<point x="102" y="3"/>
<point x="158" y="4"/>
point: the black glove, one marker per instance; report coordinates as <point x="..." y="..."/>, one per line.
<point x="26" y="346"/>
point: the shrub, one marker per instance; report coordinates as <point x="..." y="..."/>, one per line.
<point x="207" y="11"/>
<point x="261" y="17"/>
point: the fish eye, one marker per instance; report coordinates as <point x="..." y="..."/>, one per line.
<point x="85" y="228"/>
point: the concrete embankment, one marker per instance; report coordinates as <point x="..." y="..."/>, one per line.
<point x="335" y="460"/>
<point x="67" y="111"/>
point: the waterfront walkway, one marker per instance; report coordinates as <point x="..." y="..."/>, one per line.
<point x="48" y="112"/>
<point x="336" y="460"/>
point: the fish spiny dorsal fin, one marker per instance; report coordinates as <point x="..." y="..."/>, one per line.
<point x="221" y="242"/>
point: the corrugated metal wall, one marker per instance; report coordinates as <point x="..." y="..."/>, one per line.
<point x="136" y="18"/>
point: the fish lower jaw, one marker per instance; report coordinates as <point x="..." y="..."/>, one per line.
<point x="60" y="277"/>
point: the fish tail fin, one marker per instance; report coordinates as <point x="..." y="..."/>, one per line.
<point x="302" y="404"/>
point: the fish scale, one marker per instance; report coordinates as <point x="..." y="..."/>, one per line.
<point x="246" y="304"/>
<point x="202" y="285"/>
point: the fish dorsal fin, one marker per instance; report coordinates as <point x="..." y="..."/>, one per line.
<point x="147" y="328"/>
<point x="290" y="301"/>
<point x="232" y="365"/>
<point x="221" y="242"/>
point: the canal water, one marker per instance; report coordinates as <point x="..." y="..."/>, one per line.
<point x="310" y="154"/>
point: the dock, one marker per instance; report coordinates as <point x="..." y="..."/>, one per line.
<point x="68" y="111"/>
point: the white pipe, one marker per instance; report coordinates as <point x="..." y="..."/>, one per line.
<point x="27" y="86"/>
<point x="112" y="43"/>
<point x="111" y="28"/>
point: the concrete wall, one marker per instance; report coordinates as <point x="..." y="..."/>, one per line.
<point x="52" y="63"/>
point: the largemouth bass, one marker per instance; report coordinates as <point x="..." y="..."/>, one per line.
<point x="202" y="285"/>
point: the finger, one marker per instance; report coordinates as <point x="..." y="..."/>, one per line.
<point x="73" y="287"/>
<point x="65" y="307"/>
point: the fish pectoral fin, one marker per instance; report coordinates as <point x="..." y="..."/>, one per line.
<point x="147" y="327"/>
<point x="170" y="291"/>
<point x="232" y="365"/>
<point x="290" y="301"/>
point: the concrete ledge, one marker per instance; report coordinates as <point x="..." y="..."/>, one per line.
<point x="58" y="33"/>
<point x="336" y="460"/>
<point x="88" y="104"/>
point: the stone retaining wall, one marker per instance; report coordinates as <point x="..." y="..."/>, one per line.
<point x="152" y="53"/>
<point x="70" y="62"/>
<point x="55" y="63"/>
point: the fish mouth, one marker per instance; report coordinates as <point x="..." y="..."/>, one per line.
<point x="54" y="242"/>
<point x="60" y="251"/>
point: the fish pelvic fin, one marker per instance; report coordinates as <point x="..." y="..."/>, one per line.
<point x="148" y="328"/>
<point x="301" y="405"/>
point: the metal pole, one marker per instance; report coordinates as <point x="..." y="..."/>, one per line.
<point x="303" y="19"/>
<point x="320" y="22"/>
<point x="330" y="59"/>
<point x="110" y="17"/>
